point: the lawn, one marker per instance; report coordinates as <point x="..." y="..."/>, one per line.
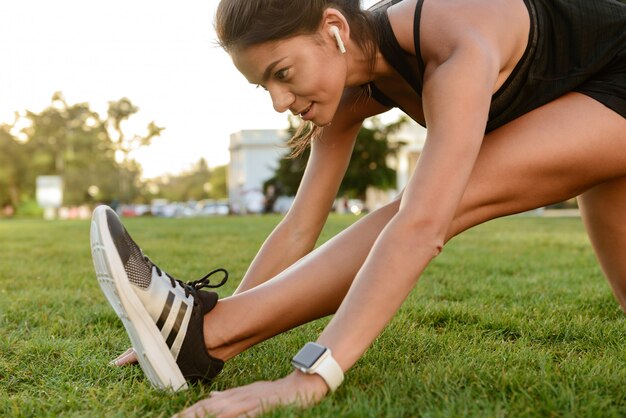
<point x="514" y="319"/>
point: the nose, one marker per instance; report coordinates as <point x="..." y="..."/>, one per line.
<point x="282" y="99"/>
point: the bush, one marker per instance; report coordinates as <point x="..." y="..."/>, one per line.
<point x="29" y="208"/>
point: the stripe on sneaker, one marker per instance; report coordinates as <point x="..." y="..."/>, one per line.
<point x="177" y="324"/>
<point x="166" y="311"/>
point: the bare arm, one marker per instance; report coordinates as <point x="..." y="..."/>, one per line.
<point x="463" y="64"/>
<point x="456" y="99"/>
<point x="296" y="234"/>
<point x="456" y="105"/>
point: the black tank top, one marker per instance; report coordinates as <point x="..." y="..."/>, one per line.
<point x="569" y="42"/>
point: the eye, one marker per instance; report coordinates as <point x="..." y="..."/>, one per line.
<point x="282" y="74"/>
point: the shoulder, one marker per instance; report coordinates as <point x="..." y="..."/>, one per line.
<point x="446" y="25"/>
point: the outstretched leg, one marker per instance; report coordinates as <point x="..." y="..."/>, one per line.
<point x="311" y="288"/>
<point x="556" y="152"/>
<point x="551" y="154"/>
<point x="604" y="210"/>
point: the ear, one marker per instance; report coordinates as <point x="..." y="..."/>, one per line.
<point x="333" y="18"/>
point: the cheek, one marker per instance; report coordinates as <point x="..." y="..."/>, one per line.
<point x="330" y="85"/>
<point x="326" y="80"/>
<point x="335" y="84"/>
<point x="333" y="91"/>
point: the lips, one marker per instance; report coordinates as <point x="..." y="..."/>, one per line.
<point x="304" y="113"/>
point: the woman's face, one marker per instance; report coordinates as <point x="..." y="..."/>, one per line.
<point x="303" y="74"/>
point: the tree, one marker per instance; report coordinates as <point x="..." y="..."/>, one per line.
<point x="13" y="168"/>
<point x="370" y="158"/>
<point x="368" y="163"/>
<point x="74" y="142"/>
<point x="288" y="175"/>
<point x="196" y="184"/>
<point x="218" y="183"/>
<point x="118" y="112"/>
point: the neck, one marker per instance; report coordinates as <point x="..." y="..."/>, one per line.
<point x="361" y="69"/>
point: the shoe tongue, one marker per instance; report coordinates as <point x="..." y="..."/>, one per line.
<point x="209" y="300"/>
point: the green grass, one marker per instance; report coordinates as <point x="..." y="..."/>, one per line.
<point x="514" y="319"/>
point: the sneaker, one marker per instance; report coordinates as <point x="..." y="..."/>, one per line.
<point x="162" y="316"/>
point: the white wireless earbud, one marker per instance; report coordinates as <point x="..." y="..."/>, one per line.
<point x="335" y="31"/>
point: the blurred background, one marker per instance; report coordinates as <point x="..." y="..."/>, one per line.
<point x="133" y="104"/>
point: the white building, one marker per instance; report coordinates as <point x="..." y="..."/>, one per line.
<point x="254" y="156"/>
<point x="414" y="136"/>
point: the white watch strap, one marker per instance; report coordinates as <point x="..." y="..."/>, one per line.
<point x="330" y="371"/>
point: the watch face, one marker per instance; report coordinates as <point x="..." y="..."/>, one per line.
<point x="308" y="355"/>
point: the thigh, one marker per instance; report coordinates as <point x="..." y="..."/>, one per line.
<point x="551" y="154"/>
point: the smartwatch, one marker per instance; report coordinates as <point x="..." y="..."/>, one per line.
<point x="314" y="358"/>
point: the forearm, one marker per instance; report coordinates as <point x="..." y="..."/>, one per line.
<point x="386" y="278"/>
<point x="456" y="107"/>
<point x="283" y="247"/>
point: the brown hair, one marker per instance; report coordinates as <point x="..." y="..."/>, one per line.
<point x="244" y="23"/>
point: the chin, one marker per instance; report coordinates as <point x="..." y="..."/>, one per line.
<point x="324" y="117"/>
<point x="322" y="124"/>
<point x="322" y="121"/>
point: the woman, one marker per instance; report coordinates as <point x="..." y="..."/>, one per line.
<point x="525" y="104"/>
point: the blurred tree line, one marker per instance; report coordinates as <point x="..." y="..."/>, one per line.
<point x="92" y="154"/>
<point x="197" y="184"/>
<point x="368" y="163"/>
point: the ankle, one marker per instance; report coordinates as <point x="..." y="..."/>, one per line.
<point x="223" y="353"/>
<point x="216" y="342"/>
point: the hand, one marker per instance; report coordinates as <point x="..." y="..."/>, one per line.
<point x="127" y="357"/>
<point x="254" y="399"/>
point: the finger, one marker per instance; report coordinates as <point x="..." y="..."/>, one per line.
<point x="128" y="357"/>
<point x="253" y="412"/>
<point x="243" y="401"/>
<point x="227" y="404"/>
<point x="197" y="410"/>
<point x="239" y="408"/>
<point x="125" y="353"/>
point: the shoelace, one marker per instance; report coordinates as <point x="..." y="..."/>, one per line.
<point x="193" y="286"/>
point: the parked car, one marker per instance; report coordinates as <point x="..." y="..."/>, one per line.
<point x="213" y="208"/>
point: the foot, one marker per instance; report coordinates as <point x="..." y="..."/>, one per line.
<point x="162" y="316"/>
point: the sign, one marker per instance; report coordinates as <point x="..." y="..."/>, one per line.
<point x="50" y="191"/>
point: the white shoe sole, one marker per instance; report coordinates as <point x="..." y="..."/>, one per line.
<point x="153" y="354"/>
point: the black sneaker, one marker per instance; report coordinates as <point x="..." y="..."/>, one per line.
<point x="162" y="316"/>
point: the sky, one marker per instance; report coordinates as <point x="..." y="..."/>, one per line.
<point x="160" y="54"/>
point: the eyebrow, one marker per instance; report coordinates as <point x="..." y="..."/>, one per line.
<point x="270" y="68"/>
